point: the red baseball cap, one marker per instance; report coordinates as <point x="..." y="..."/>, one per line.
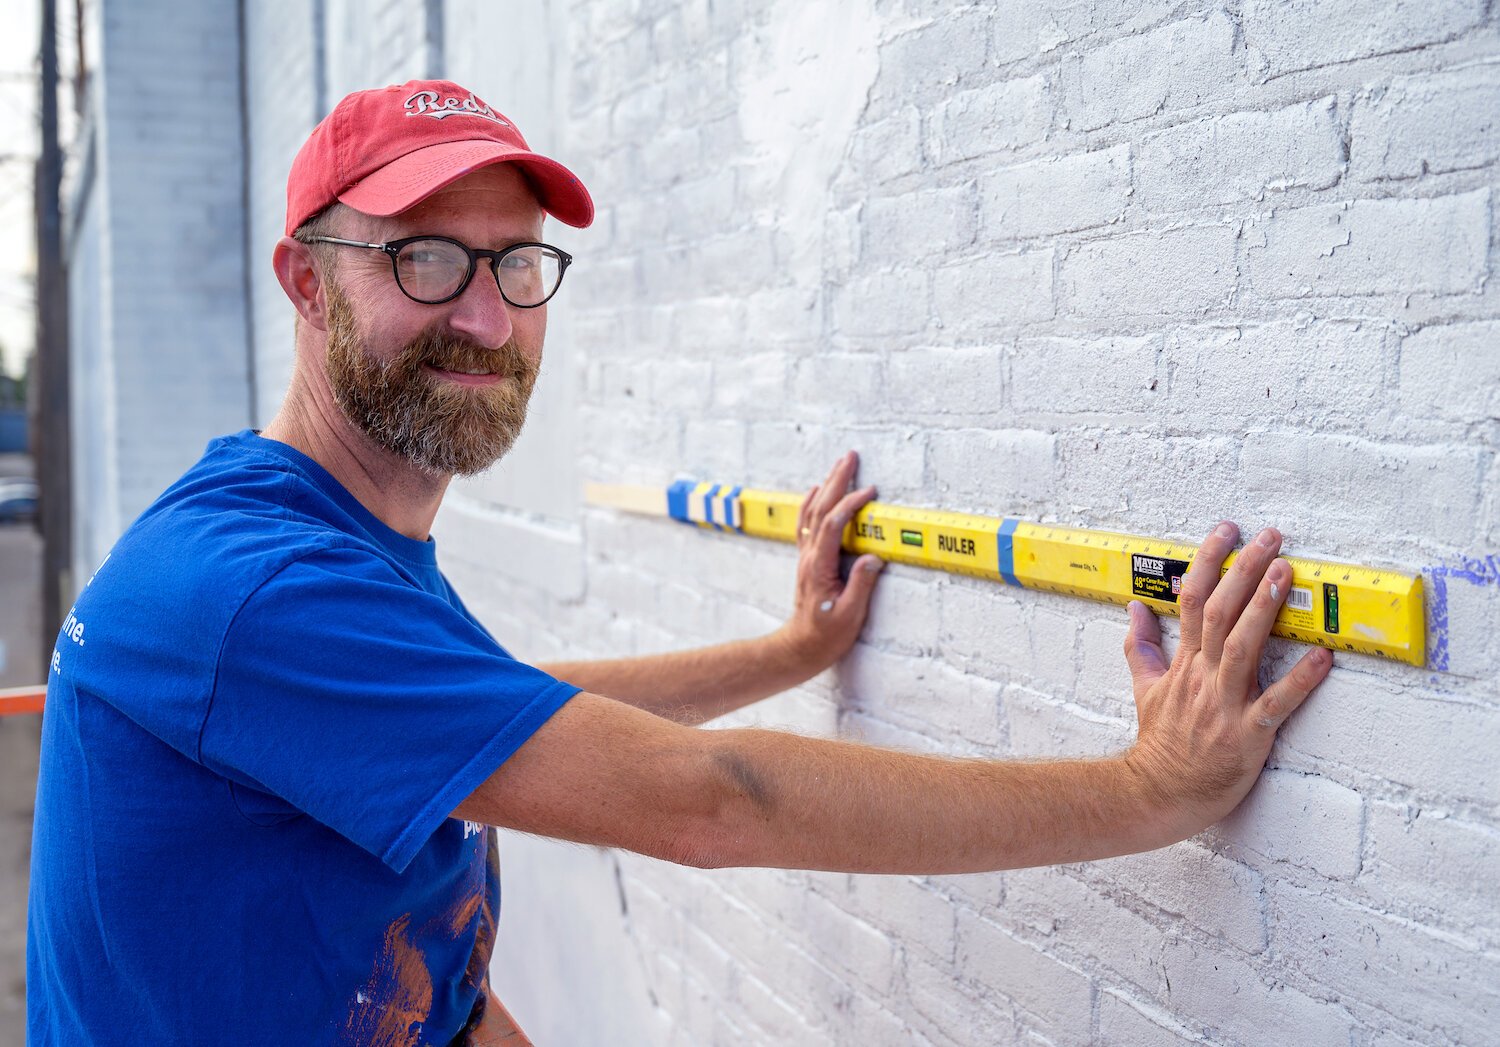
<point x="385" y="150"/>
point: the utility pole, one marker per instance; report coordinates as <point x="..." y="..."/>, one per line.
<point x="50" y="421"/>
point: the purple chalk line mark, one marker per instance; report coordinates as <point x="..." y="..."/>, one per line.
<point x="1475" y="570"/>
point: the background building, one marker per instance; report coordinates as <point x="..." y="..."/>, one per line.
<point x="1129" y="265"/>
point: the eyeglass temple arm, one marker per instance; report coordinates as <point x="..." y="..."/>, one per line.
<point x="348" y="243"/>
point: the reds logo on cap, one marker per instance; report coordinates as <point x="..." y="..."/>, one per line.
<point x="370" y="154"/>
<point x="430" y="103"/>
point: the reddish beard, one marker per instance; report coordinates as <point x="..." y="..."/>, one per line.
<point x="443" y="427"/>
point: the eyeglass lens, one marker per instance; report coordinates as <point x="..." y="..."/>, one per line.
<point x="432" y="270"/>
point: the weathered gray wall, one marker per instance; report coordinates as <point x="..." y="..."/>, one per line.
<point x="1125" y="265"/>
<point x="156" y="258"/>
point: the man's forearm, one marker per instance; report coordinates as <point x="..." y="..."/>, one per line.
<point x="691" y="687"/>
<point x="605" y="774"/>
<point x="793" y="802"/>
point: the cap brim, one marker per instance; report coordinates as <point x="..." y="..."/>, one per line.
<point x="410" y="179"/>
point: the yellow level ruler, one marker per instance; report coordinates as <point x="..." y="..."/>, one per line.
<point x="1345" y="607"/>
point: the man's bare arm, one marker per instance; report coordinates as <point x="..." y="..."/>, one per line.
<point x="694" y="686"/>
<point x="607" y="774"/>
<point x="603" y="773"/>
<point x="691" y="687"/>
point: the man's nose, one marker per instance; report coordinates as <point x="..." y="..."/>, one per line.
<point x="481" y="312"/>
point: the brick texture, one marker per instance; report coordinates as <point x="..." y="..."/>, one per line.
<point x="1127" y="265"/>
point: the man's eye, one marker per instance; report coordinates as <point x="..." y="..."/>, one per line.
<point x="518" y="260"/>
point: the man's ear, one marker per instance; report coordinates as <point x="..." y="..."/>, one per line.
<point x="302" y="280"/>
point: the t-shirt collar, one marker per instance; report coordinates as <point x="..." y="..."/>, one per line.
<point x="398" y="544"/>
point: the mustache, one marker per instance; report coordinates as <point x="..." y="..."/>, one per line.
<point x="450" y="353"/>
<point x="434" y="347"/>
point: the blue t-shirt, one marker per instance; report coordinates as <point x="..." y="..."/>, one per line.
<point x="260" y="714"/>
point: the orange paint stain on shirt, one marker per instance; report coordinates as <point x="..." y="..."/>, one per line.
<point x="390" y="1008"/>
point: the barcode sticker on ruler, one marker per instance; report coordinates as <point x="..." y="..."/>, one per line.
<point x="1299" y="599"/>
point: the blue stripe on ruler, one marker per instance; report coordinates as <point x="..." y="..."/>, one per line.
<point x="708" y="506"/>
<point x="1007" y="553"/>
<point x="730" y="502"/>
<point x="677" y="500"/>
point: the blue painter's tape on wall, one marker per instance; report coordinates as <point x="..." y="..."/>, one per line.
<point x="1007" y="553"/>
<point x="677" y="500"/>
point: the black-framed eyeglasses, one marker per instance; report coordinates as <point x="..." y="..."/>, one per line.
<point x="437" y="269"/>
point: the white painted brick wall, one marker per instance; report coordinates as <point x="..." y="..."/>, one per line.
<point x="1284" y="36"/>
<point x="1056" y="195"/>
<point x="1124" y="80"/>
<point x="1427" y="124"/>
<point x="1123" y="265"/>
<point x="1241" y="156"/>
<point x="1128" y="265"/>
<point x="1440" y="245"/>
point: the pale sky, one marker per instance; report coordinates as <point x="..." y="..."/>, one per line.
<point x="19" y="140"/>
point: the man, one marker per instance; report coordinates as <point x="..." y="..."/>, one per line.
<point x="275" y="738"/>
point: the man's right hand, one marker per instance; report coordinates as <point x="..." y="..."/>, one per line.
<point x="1206" y="727"/>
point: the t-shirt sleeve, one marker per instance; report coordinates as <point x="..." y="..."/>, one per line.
<point x="369" y="704"/>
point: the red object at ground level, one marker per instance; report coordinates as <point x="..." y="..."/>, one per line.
<point x="22" y="700"/>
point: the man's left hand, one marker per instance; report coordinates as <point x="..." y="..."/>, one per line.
<point x="830" y="611"/>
